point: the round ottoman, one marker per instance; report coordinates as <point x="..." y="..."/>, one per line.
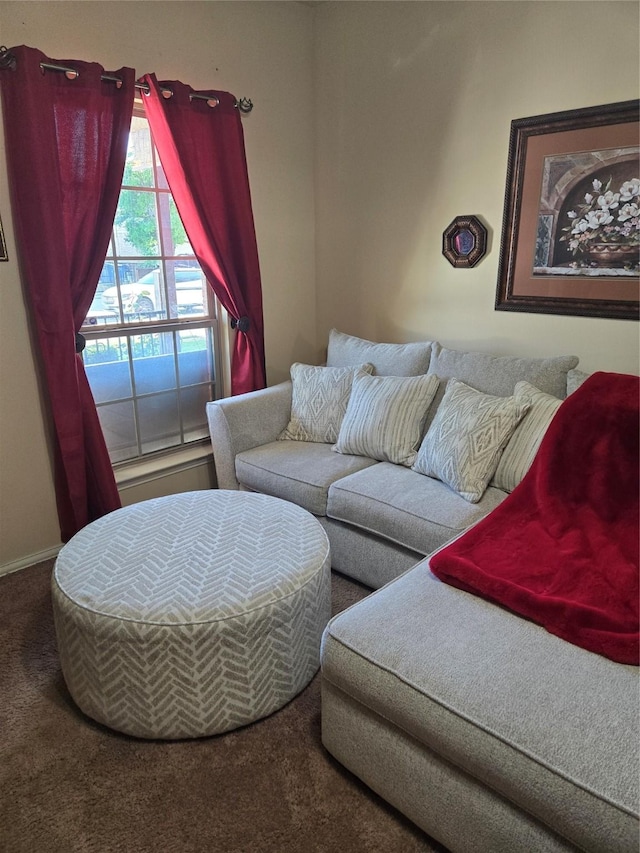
<point x="192" y="614"/>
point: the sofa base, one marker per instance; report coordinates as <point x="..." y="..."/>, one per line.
<point x="447" y="803"/>
<point x="365" y="557"/>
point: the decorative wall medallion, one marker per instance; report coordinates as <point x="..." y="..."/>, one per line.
<point x="464" y="242"/>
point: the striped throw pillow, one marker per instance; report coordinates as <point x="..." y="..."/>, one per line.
<point x="385" y="416"/>
<point x="525" y="441"/>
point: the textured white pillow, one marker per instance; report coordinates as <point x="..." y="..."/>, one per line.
<point x="319" y="400"/>
<point x="525" y="441"/>
<point x="464" y="442"/>
<point x="385" y="416"/>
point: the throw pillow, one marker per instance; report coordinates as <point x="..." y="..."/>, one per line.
<point x="319" y="401"/>
<point x="464" y="442"/>
<point x="385" y="416"/>
<point x="388" y="359"/>
<point x="525" y="441"/>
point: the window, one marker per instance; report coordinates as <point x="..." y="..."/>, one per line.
<point x="151" y="329"/>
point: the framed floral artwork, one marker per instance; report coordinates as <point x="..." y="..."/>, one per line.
<point x="3" y="246"/>
<point x="571" y="226"/>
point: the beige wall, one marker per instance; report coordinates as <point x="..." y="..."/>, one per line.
<point x="414" y="107"/>
<point x="406" y="128"/>
<point x="260" y="50"/>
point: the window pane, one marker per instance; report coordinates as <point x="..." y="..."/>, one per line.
<point x="186" y="289"/>
<point x="194" y="357"/>
<point x="138" y="296"/>
<point x="181" y="243"/>
<point x="139" y="168"/>
<point x="161" y="178"/>
<point x="118" y="426"/>
<point x="107" y="365"/>
<point x="98" y="315"/>
<point x="193" y="403"/>
<point x="136" y="224"/>
<point x="159" y="421"/>
<point x="154" y="365"/>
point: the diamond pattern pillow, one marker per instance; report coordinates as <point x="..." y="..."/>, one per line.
<point x="319" y="401"/>
<point x="525" y="441"/>
<point x="385" y="416"/>
<point x="464" y="442"/>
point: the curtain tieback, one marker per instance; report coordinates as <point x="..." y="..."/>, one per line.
<point x="81" y="342"/>
<point x="242" y="324"/>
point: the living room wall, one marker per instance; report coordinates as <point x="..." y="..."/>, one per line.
<point x="260" y="50"/>
<point x="400" y="112"/>
<point x="414" y="105"/>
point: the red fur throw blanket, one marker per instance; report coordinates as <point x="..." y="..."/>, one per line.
<point x="562" y="549"/>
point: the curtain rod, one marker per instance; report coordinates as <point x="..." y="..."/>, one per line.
<point x="8" y="60"/>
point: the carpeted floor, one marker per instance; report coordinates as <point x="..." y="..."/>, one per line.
<point x="69" y="785"/>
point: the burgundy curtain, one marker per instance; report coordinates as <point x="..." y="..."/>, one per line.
<point x="202" y="152"/>
<point x="66" y="143"/>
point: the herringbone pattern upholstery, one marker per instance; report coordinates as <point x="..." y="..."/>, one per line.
<point x="192" y="614"/>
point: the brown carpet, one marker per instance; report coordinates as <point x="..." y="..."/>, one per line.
<point x="68" y="784"/>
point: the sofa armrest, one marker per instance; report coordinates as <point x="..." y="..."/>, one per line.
<point x="245" y="421"/>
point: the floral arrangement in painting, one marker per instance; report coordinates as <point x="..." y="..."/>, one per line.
<point x="605" y="229"/>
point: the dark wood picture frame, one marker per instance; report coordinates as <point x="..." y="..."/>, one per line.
<point x="550" y="158"/>
<point x="3" y="245"/>
<point x="464" y="242"/>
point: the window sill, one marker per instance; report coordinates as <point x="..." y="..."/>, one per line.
<point x="140" y="471"/>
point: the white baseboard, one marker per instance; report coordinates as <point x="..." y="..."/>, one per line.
<point x="25" y="562"/>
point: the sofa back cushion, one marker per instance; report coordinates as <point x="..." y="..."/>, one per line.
<point x="575" y="378"/>
<point x="497" y="375"/>
<point x="388" y="359"/>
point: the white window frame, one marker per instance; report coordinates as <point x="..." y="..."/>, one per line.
<point x="186" y="452"/>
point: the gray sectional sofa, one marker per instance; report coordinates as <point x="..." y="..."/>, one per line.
<point x="488" y="732"/>
<point x="381" y="518"/>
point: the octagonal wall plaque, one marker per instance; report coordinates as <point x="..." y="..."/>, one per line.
<point x="464" y="242"/>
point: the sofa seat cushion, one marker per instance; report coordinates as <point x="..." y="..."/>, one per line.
<point x="547" y="725"/>
<point x="297" y="471"/>
<point x="404" y="507"/>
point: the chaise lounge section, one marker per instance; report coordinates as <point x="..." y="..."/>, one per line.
<point x="485" y="730"/>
